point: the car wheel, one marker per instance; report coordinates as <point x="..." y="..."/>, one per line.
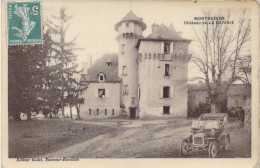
<point x="213" y="149"/>
<point x="184" y="148"/>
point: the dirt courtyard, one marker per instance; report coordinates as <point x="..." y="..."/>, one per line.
<point x="150" y="139"/>
<point x="114" y="138"/>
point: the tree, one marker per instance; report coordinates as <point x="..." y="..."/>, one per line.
<point x="51" y="82"/>
<point x="244" y="69"/>
<point x="74" y="97"/>
<point x="220" y="47"/>
<point x="63" y="54"/>
<point x="25" y="79"/>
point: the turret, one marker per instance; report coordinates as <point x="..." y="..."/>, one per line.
<point x="130" y="24"/>
<point x="129" y="30"/>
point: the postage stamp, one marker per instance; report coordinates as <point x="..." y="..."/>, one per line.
<point x="24" y="23"/>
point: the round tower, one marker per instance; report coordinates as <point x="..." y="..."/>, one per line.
<point x="129" y="30"/>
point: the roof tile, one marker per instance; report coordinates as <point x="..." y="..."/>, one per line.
<point x="100" y="66"/>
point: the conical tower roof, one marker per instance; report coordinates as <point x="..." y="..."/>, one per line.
<point x="133" y="18"/>
<point x="130" y="16"/>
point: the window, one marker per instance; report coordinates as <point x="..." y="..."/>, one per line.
<point x="109" y="63"/>
<point x="101" y="77"/>
<point x="127" y="25"/>
<point x="113" y="112"/>
<point x="166" y="48"/>
<point x="166" y="109"/>
<point x="124" y="70"/>
<point x="123" y="48"/>
<point x="166" y="92"/>
<point x="167" y="70"/>
<point x="125" y="90"/>
<point x="101" y="93"/>
<point x="89" y="111"/>
<point x="105" y="111"/>
<point x="97" y="111"/>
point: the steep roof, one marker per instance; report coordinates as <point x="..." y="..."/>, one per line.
<point x="100" y="66"/>
<point x="131" y="17"/>
<point x="165" y="33"/>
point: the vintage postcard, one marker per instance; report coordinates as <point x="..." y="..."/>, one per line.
<point x="130" y="84"/>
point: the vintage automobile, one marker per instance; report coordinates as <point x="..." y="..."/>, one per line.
<point x="208" y="134"/>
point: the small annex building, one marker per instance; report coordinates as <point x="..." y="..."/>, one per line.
<point x="102" y="98"/>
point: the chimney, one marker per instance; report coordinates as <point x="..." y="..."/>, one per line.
<point x="155" y="28"/>
<point x="179" y="34"/>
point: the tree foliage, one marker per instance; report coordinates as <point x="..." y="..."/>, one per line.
<point x="64" y="55"/>
<point x="44" y="77"/>
<point x="25" y="70"/>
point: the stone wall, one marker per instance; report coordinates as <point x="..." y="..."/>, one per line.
<point x="152" y="78"/>
<point x="110" y="103"/>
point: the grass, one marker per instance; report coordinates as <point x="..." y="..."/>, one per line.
<point x="35" y="138"/>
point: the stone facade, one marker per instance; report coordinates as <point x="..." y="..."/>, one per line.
<point x="108" y="105"/>
<point x="151" y="76"/>
<point x="102" y="97"/>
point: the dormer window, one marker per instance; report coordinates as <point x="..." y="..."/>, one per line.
<point x="109" y="63"/>
<point x="101" y="77"/>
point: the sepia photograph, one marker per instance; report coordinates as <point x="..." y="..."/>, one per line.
<point x="130" y="79"/>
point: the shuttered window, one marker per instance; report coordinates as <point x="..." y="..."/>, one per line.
<point x="171" y="92"/>
<point x="162" y="47"/>
<point x="167" y="70"/>
<point x="171" y="48"/>
<point x="166" y="92"/>
<point x="167" y="47"/>
<point x="171" y="110"/>
<point x="101" y="93"/>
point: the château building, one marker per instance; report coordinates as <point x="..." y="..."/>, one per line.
<point x="147" y="77"/>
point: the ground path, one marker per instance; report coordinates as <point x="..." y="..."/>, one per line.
<point x="148" y="139"/>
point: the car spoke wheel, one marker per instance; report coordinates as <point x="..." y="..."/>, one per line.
<point x="213" y="149"/>
<point x="184" y="148"/>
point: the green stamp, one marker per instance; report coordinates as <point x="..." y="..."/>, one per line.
<point x="24" y="23"/>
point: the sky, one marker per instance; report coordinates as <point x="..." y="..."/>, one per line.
<point x="93" y="21"/>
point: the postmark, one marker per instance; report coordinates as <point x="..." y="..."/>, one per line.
<point x="24" y="23"/>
